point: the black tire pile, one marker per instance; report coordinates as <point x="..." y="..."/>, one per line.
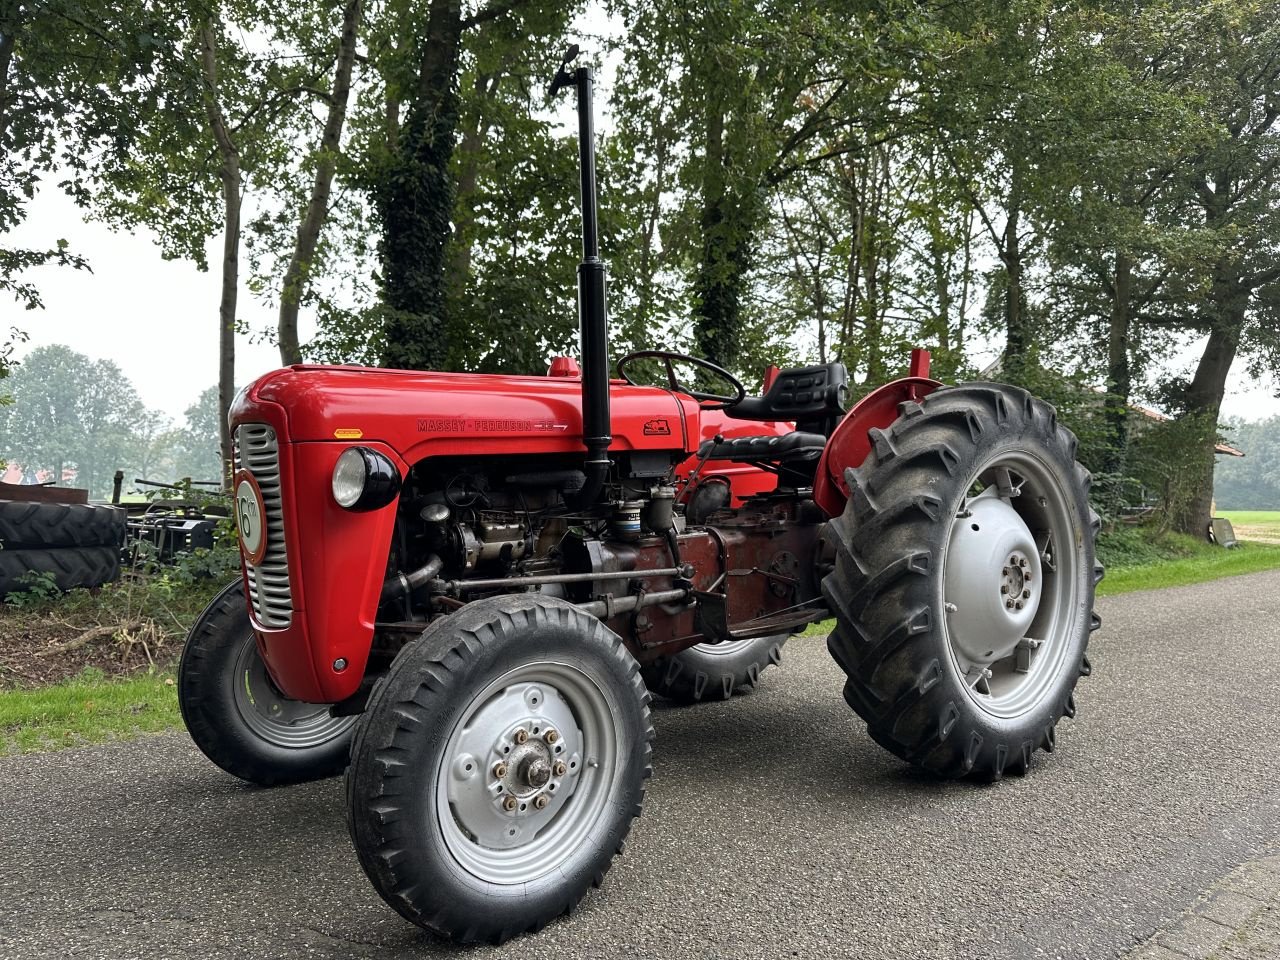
<point x="79" y="543"/>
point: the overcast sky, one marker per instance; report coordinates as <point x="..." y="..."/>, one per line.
<point x="158" y="320"/>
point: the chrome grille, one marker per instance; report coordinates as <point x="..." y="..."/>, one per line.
<point x="256" y="450"/>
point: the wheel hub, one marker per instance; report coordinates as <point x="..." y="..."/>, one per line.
<point x="516" y="764"/>
<point x="993" y="581"/>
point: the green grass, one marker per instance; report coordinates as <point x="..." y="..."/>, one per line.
<point x="87" y="709"/>
<point x="1209" y="563"/>
<point x="1261" y="522"/>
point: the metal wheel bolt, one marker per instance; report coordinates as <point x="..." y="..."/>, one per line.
<point x="499" y="770"/>
<point x="1004" y="572"/>
<point x="509" y="803"/>
<point x="551" y="736"/>
<point x="559" y="768"/>
<point x="1022" y="562"/>
<point x="1019" y="605"/>
<point x="540" y="801"/>
<point x="1008" y="604"/>
<point x="1013" y="560"/>
<point x="1004" y="588"/>
<point x="1026" y="594"/>
<point x="521" y="735"/>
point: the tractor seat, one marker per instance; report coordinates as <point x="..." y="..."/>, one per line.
<point x="788" y="448"/>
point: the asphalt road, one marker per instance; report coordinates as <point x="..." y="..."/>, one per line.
<point x="774" y="827"/>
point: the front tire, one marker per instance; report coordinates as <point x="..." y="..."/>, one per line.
<point x="713" y="671"/>
<point x="499" y="767"/>
<point x="238" y="718"/>
<point x="964" y="581"/>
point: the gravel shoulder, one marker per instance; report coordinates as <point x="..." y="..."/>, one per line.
<point x="774" y="826"/>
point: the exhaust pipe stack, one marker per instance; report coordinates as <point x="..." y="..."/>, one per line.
<point x="592" y="312"/>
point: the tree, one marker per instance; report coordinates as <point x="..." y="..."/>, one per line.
<point x="1231" y="59"/>
<point x="69" y="70"/>
<point x="71" y="413"/>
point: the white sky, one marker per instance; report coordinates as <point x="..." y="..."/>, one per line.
<point x="158" y="320"/>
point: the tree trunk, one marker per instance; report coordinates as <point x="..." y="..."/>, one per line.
<point x="326" y="161"/>
<point x="417" y="203"/>
<point x="716" y="293"/>
<point x="229" y="173"/>
<point x="1116" y="402"/>
<point x="1204" y="397"/>
<point x="1017" y="336"/>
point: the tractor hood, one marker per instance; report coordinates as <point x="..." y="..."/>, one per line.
<point x="424" y="414"/>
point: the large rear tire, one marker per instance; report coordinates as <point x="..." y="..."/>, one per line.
<point x="70" y="567"/>
<point x="713" y="671"/>
<point x="43" y="525"/>
<point x="237" y="716"/>
<point x="964" y="581"/>
<point x="498" y="767"/>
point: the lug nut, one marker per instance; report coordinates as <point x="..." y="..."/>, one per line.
<point x="1022" y="561"/>
<point x="1004" y="572"/>
<point x="509" y="804"/>
<point x="559" y="768"/>
<point x="540" y="801"/>
<point x="1008" y="604"/>
<point x="1018" y="605"/>
<point x="1013" y="560"/>
<point x="1026" y="594"/>
<point x="499" y="770"/>
<point x="1004" y="588"/>
<point x="551" y="736"/>
<point x="522" y="735"/>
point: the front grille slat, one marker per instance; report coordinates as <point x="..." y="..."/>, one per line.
<point x="257" y="451"/>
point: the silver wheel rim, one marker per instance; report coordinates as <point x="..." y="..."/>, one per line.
<point x="274" y="717"/>
<point x="1011" y="584"/>
<point x="528" y="773"/>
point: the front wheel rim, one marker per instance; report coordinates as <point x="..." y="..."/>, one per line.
<point x="275" y="718"/>
<point x="1011" y="584"/>
<point x="528" y="772"/>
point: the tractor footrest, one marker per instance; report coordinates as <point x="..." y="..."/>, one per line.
<point x="796" y="445"/>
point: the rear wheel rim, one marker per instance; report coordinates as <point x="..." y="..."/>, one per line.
<point x="275" y="718"/>
<point x="542" y="733"/>
<point x="1011" y="614"/>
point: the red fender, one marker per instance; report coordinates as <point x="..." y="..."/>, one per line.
<point x="850" y="442"/>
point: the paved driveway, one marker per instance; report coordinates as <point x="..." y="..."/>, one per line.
<point x="774" y="826"/>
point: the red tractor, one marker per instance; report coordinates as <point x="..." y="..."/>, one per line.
<point x="464" y="589"/>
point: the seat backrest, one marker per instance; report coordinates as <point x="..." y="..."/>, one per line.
<point x="811" y="396"/>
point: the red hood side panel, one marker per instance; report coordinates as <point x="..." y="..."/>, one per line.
<point x="427" y="414"/>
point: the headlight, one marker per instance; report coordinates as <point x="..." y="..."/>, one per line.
<point x="364" y="479"/>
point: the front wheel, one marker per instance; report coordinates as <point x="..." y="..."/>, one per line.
<point x="498" y="767"/>
<point x="237" y="716"/>
<point x="964" y="581"/>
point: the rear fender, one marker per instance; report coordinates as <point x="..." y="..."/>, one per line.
<point x="850" y="442"/>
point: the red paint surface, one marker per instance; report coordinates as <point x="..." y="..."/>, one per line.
<point x="849" y="443"/>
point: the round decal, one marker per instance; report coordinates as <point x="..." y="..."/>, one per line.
<point x="251" y="518"/>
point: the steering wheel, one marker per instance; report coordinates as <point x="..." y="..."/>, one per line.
<point x="708" y="401"/>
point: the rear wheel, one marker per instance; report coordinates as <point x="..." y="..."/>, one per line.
<point x="964" y="581"/>
<point x="499" y="767"/>
<point x="237" y="716"/>
<point x="713" y="671"/>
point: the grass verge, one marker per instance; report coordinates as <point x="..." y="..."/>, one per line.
<point x="89" y="708"/>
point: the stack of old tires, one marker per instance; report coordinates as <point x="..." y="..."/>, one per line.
<point x="78" y="543"/>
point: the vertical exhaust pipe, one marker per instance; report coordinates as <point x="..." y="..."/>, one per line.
<point x="592" y="312"/>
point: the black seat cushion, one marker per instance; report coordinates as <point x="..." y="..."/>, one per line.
<point x="808" y="396"/>
<point x="789" y="447"/>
